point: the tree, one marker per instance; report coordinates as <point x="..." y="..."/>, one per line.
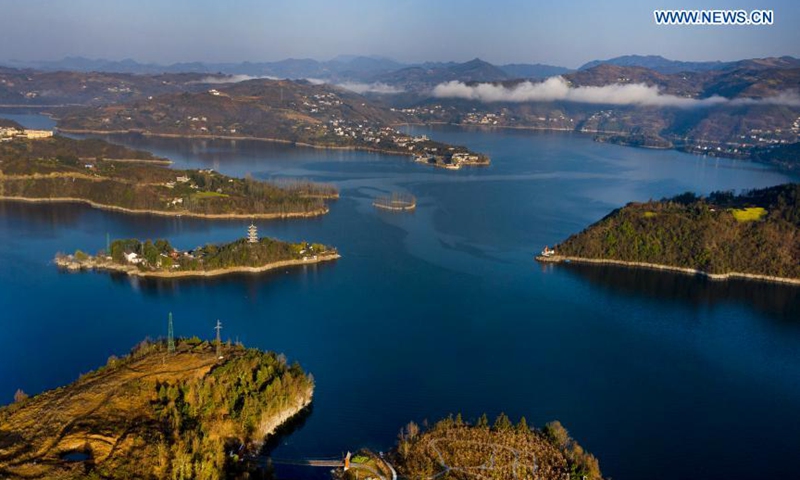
<point x="557" y="434"/>
<point x="19" y="395"/>
<point x="150" y="253"/>
<point x="163" y="246"/>
<point x="483" y="422"/>
<point x="502" y="423"/>
<point x="522" y="426"/>
<point x="412" y="430"/>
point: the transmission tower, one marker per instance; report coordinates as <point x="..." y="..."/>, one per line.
<point x="219" y="340"/>
<point x="170" y="336"/>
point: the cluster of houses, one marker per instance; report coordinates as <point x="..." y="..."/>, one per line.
<point x="134" y="258"/>
<point x="318" y="102"/>
<point x="475" y="118"/>
<point x="10" y="133"/>
<point x="119" y="89"/>
<point x="423" y="110"/>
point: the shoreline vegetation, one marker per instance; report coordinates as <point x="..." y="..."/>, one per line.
<point x="111" y="177"/>
<point x="192" y="411"/>
<point x="751" y="236"/>
<point x="159" y="259"/>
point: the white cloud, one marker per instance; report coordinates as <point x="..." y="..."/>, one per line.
<point x="377" y="87"/>
<point x="219" y="79"/>
<point x="557" y="89"/>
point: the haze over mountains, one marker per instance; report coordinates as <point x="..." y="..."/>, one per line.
<point x="382" y="75"/>
<point x="355" y="67"/>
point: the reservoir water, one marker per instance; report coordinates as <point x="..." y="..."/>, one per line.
<point x="443" y="310"/>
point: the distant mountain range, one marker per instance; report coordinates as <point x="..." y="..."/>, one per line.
<point x="380" y="70"/>
<point x="664" y="65"/>
<point x="341" y="68"/>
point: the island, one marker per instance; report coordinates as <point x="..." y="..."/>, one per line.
<point x="112" y="177"/>
<point x="160" y="259"/>
<point x="754" y="235"/>
<point x="396" y="202"/>
<point x="170" y="409"/>
<point x="455" y="449"/>
<point x="284" y="111"/>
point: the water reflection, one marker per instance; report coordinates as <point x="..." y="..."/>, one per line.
<point x="780" y="302"/>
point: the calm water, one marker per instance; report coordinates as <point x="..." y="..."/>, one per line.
<point x="443" y="310"/>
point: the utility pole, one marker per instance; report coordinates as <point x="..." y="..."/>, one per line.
<point x="170" y="336"/>
<point x="219" y="340"/>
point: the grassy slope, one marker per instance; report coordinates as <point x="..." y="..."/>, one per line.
<point x="719" y="234"/>
<point x="150" y="415"/>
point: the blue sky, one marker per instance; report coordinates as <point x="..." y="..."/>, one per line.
<point x="565" y="32"/>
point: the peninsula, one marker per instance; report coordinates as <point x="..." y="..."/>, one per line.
<point x="284" y="111"/>
<point x="754" y="235"/>
<point x="106" y="176"/>
<point x="191" y="411"/>
<point x="160" y="259"/>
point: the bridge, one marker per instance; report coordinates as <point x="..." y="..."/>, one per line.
<point x="330" y="462"/>
<point x="310" y="462"/>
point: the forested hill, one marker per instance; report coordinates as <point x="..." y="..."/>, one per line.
<point x="110" y="176"/>
<point x="756" y="232"/>
<point x="192" y="411"/>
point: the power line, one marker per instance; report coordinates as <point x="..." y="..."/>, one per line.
<point x="170" y="336"/>
<point x="219" y="340"/>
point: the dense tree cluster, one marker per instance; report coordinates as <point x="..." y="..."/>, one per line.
<point x="701" y="233"/>
<point x="202" y="418"/>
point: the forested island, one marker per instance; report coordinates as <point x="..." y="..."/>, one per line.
<point x="755" y="235"/>
<point x="156" y="413"/>
<point x="455" y="449"/>
<point x="103" y="175"/>
<point x="160" y="259"/>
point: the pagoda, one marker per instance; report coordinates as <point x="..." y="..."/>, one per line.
<point x="252" y="233"/>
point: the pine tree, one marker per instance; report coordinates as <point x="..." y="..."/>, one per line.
<point x="483" y="422"/>
<point x="502" y="423"/>
<point x="522" y="426"/>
